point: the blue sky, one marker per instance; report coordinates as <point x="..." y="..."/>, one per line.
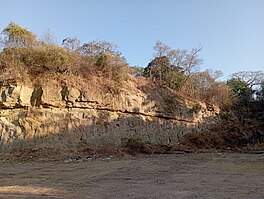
<point x="231" y="31"/>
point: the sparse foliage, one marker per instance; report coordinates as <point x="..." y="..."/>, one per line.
<point x="108" y="61"/>
<point x="172" y="67"/>
<point x="23" y="53"/>
<point x="72" y="44"/>
<point x="250" y="78"/>
<point x="17" y="37"/>
<point x="260" y="92"/>
<point x="24" y="56"/>
<point x="241" y="90"/>
<point x="162" y="72"/>
<point x="188" y="60"/>
<point x="96" y="48"/>
<point x="204" y="86"/>
<point x="48" y="38"/>
<point x="136" y="71"/>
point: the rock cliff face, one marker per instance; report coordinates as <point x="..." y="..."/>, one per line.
<point x="67" y="117"/>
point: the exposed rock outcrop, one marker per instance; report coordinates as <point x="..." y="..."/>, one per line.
<point x="15" y="96"/>
<point x="66" y="117"/>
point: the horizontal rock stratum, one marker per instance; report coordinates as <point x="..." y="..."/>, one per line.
<point x="64" y="117"/>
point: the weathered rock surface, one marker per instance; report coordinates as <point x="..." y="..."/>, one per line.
<point x="13" y="96"/>
<point x="62" y="117"/>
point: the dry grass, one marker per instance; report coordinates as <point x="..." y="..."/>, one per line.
<point x="228" y="134"/>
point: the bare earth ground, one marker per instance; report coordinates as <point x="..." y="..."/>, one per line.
<point x="194" y="175"/>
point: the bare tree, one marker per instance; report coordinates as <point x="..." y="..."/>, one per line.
<point x="2" y="43"/>
<point x="188" y="61"/>
<point x="215" y="74"/>
<point x="251" y="78"/>
<point x="73" y="44"/>
<point x="177" y="56"/>
<point x="97" y="48"/>
<point x="161" y="49"/>
<point x="48" y="38"/>
<point x="192" y="61"/>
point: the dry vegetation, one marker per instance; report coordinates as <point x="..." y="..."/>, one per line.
<point x="33" y="61"/>
<point x="99" y="65"/>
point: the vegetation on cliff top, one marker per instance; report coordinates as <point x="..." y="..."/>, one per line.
<point x="32" y="60"/>
<point x="26" y="57"/>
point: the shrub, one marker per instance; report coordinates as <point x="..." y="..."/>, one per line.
<point x="171" y="103"/>
<point x="162" y="72"/>
<point x="23" y="54"/>
<point x="135" y="146"/>
<point x="38" y="59"/>
<point x="16" y="36"/>
<point x="196" y="108"/>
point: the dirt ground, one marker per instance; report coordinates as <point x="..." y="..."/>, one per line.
<point x="187" y="175"/>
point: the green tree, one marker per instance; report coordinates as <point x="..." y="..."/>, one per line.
<point x="157" y="68"/>
<point x="172" y="67"/>
<point x="107" y="60"/>
<point x="101" y="61"/>
<point x="260" y="92"/>
<point x="17" y="37"/>
<point x="188" y="61"/>
<point x="241" y="90"/>
<point x="162" y="72"/>
<point x="250" y="78"/>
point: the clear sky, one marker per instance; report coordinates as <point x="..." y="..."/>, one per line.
<point x="231" y="31"/>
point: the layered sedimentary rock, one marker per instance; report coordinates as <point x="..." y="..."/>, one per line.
<point x="65" y="117"/>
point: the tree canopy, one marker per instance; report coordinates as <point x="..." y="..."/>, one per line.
<point x="250" y="78"/>
<point x="16" y="36"/>
<point x="172" y="67"/>
<point x="24" y="55"/>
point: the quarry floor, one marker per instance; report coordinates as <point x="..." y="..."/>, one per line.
<point x="188" y="175"/>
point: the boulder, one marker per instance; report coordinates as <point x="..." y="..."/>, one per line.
<point x="25" y="96"/>
<point x="52" y="96"/>
<point x="12" y="96"/>
<point x="73" y="94"/>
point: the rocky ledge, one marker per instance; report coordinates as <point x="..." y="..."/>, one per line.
<point x="65" y="117"/>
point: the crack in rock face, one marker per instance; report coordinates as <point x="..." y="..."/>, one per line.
<point x="66" y="117"/>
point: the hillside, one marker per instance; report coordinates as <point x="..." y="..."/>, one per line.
<point x="66" y="117"/>
<point x="74" y="97"/>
